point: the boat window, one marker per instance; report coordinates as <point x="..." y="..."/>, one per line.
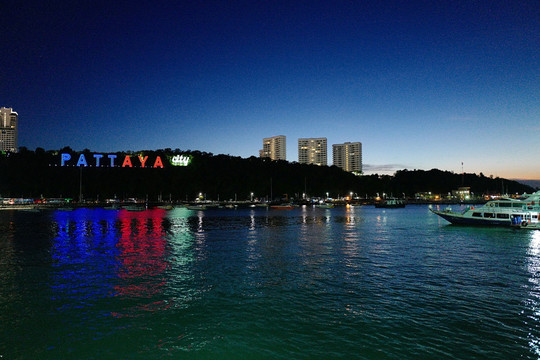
<point x="503" y="216"/>
<point x="505" y="204"/>
<point x="477" y="214"/>
<point x="489" y="215"/>
<point x="517" y="205"/>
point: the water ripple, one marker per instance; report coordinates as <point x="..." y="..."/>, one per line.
<point x="344" y="283"/>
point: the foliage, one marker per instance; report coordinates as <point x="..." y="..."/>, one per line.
<point x="38" y="173"/>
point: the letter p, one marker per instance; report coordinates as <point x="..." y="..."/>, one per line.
<point x="64" y="157"/>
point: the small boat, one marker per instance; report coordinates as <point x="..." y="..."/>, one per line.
<point x="527" y="220"/>
<point x="282" y="207"/>
<point x="501" y="212"/>
<point x="527" y="225"/>
<point x="33" y="210"/>
<point x="112" y="207"/>
<point x="65" y="208"/>
<point x="325" y="206"/>
<point x="165" y="207"/>
<point x="196" y="207"/>
<point x="134" y="208"/>
<point x="391" y="204"/>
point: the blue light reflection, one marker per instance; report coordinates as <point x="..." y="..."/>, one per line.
<point x="85" y="255"/>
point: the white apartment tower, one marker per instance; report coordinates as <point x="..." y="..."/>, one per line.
<point x="274" y="148"/>
<point x="348" y="156"/>
<point x="8" y="129"/>
<point x="312" y="151"/>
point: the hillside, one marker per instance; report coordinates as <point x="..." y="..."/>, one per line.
<point x="39" y="173"/>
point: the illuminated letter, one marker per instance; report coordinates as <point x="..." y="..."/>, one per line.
<point x="184" y="160"/>
<point x="64" y="157"/>
<point x="158" y="163"/>
<point x="127" y="162"/>
<point x="112" y="157"/>
<point x="82" y="161"/>
<point x="175" y="160"/>
<point x="97" y="157"/>
<point x="180" y="160"/>
<point x="143" y="161"/>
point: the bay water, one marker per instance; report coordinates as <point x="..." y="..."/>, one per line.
<point x="308" y="283"/>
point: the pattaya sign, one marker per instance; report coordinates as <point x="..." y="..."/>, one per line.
<point x="113" y="160"/>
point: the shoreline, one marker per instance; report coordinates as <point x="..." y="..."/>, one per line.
<point x="238" y="204"/>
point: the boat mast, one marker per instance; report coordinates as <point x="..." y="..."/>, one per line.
<point x="462" y="175"/>
<point x="80" y="184"/>
<point x="271" y="197"/>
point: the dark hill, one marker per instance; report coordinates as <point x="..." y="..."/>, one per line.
<point x="38" y="173"/>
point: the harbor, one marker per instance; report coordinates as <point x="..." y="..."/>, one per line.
<point x="22" y="204"/>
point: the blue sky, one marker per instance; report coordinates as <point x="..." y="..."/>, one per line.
<point x="422" y="84"/>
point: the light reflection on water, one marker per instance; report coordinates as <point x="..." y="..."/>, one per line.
<point x="309" y="283"/>
<point x="533" y="265"/>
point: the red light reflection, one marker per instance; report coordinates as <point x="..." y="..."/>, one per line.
<point x="141" y="253"/>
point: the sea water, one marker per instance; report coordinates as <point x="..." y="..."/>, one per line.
<point x="308" y="283"/>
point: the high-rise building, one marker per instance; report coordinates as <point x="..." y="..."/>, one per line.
<point x="348" y="156"/>
<point x="8" y="129"/>
<point x="274" y="148"/>
<point x="312" y="151"/>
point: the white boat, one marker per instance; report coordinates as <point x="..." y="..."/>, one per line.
<point x="196" y="207"/>
<point x="325" y="206"/>
<point x="501" y="212"/>
<point x="391" y="204"/>
<point x="165" y="207"/>
<point x="134" y="208"/>
<point x="526" y="225"/>
<point x="532" y="226"/>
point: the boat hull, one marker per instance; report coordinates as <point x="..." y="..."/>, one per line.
<point x="460" y="219"/>
<point x="501" y="212"/>
<point x="196" y="207"/>
<point x="282" y="207"/>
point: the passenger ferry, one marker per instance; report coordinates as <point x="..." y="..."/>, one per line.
<point x="501" y="212"/>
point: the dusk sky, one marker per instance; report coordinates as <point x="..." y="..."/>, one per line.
<point x="422" y="84"/>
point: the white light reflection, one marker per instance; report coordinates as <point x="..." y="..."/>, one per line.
<point x="253" y="254"/>
<point x="304" y="214"/>
<point x="186" y="251"/>
<point x="200" y="227"/>
<point x="533" y="302"/>
<point x="252" y="222"/>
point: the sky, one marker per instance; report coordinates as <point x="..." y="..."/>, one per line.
<point x="452" y="85"/>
